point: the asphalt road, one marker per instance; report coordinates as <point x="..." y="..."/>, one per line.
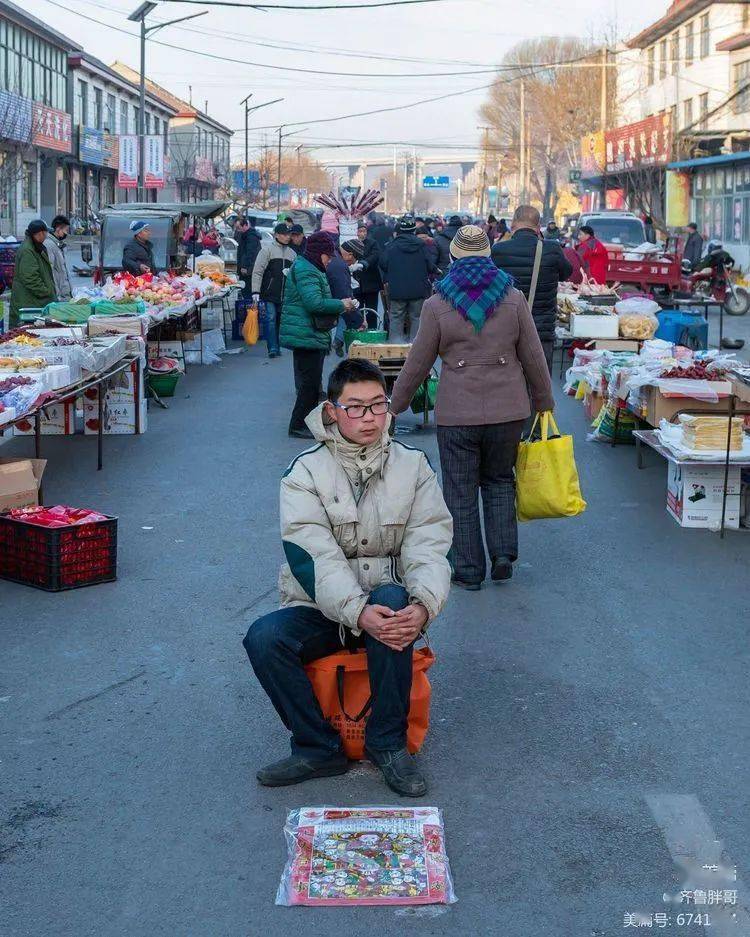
<point x="589" y="721"/>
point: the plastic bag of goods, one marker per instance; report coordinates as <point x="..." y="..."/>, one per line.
<point x="208" y="263"/>
<point x="603" y="427"/>
<point x="349" y="856"/>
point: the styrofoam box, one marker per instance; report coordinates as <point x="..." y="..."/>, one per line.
<point x="594" y="326"/>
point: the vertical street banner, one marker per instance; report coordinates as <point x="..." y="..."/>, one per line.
<point x="154" y="175"/>
<point x="678" y="199"/>
<point x="127" y="176"/>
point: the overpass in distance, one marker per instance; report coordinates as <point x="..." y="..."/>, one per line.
<point x="372" y="171"/>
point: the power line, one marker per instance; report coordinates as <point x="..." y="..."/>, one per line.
<point x="299" y="7"/>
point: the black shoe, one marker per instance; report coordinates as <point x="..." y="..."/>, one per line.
<point x="301" y="433"/>
<point x="502" y="569"/>
<point x="274" y="354"/>
<point x="400" y="772"/>
<point x="469" y="586"/>
<point x="295" y="769"/>
<point x="338" y="347"/>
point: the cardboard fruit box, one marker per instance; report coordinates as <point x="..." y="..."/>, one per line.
<point x="376" y="352"/>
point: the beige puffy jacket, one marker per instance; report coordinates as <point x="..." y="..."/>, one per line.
<point x="339" y="549"/>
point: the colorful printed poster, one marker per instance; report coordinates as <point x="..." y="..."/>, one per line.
<point x="365" y="856"/>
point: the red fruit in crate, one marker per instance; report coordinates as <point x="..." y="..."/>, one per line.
<point x="92" y="424"/>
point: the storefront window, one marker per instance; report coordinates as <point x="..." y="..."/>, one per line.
<point x="746" y="220"/>
<point x="28" y="186"/>
<point x="717" y="230"/>
<point x="123" y="117"/>
<point x="98" y="108"/>
<point x="109" y="116"/>
<point x="674" y="52"/>
<point x="737" y="221"/>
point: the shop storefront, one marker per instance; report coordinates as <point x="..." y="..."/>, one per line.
<point x="720" y="200"/>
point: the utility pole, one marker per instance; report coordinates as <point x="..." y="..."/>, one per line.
<point x="603" y="117"/>
<point x="522" y="148"/>
<point x="247" y="150"/>
<point x="483" y="185"/>
<point x="278" y="177"/>
<point x="248" y="112"/>
<point x="139" y="16"/>
<point x="406" y="182"/>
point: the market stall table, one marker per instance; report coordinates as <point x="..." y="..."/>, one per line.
<point x="71" y="392"/>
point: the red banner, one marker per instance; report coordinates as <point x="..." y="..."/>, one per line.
<point x="645" y="143"/>
<point x="52" y="129"/>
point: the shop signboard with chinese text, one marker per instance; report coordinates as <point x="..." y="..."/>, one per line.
<point x="16" y="117"/>
<point x="53" y="129"/>
<point x="635" y="146"/>
<point x="91" y="146"/>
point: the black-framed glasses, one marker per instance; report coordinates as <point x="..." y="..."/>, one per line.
<point x="355" y="411"/>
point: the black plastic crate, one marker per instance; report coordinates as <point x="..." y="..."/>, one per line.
<point x="58" y="558"/>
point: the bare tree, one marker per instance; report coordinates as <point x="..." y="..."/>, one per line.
<point x="561" y="104"/>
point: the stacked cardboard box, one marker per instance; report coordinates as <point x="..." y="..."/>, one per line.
<point x="124" y="411"/>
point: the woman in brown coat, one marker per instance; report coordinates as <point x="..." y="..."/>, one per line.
<point x="492" y="360"/>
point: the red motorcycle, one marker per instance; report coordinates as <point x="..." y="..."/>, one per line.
<point x="714" y="283"/>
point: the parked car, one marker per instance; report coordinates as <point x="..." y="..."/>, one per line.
<point x="615" y="228"/>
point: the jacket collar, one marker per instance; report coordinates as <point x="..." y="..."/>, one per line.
<point x="525" y="232"/>
<point x="359" y="462"/>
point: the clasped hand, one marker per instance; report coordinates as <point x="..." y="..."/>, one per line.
<point x="397" y="630"/>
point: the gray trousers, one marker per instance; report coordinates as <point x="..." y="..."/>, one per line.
<point x="474" y="459"/>
<point x="398" y="310"/>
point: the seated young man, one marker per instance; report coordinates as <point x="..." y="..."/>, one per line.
<point x="366" y="535"/>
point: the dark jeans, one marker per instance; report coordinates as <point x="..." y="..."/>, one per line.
<point x="548" y="345"/>
<point x="475" y="458"/>
<point x="308" y="377"/>
<point x="280" y="644"/>
<point x="272" y="326"/>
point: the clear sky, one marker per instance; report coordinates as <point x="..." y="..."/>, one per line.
<point x="385" y="53"/>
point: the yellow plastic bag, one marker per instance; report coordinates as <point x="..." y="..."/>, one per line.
<point x="250" y="328"/>
<point x="546" y="475"/>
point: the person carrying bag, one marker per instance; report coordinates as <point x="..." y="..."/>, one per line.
<point x="547" y="482"/>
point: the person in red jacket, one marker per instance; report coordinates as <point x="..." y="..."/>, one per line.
<point x="593" y="254"/>
<point x="571" y="255"/>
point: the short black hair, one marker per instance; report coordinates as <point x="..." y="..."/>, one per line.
<point x="586" y="229"/>
<point x="59" y="220"/>
<point x="693" y="225"/>
<point x="353" y="371"/>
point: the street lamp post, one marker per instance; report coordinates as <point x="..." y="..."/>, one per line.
<point x="139" y="16"/>
<point x="248" y="112"/>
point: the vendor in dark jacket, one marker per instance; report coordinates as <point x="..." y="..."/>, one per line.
<point x="369" y="278"/>
<point x="406" y="268"/>
<point x="138" y="254"/>
<point x="248" y="248"/>
<point x="339" y="274"/>
<point x="693" y="245"/>
<point x="297" y="239"/>
<point x="443" y="242"/>
<point x="516" y="257"/>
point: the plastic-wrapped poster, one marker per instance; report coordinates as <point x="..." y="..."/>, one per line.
<point x="365" y="856"/>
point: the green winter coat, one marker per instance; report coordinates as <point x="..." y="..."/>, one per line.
<point x="306" y="293"/>
<point x="33" y="283"/>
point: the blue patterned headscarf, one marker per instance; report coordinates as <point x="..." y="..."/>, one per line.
<point x="474" y="286"/>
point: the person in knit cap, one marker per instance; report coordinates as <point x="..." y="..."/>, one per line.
<point x="406" y="267"/>
<point x="492" y="360"/>
<point x="138" y="253"/>
<point x="33" y="280"/>
<point x="308" y="314"/>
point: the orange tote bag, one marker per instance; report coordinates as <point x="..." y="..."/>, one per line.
<point x="342" y="686"/>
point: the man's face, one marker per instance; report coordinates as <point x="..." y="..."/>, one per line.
<point x="366" y="429"/>
<point x="298" y="238"/>
<point x="362" y="234"/>
<point x="144" y="234"/>
<point x="283" y="238"/>
<point x="39" y="237"/>
<point x="62" y="231"/>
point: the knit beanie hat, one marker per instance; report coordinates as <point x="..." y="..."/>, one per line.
<point x="138" y="226"/>
<point x="470" y="241"/>
<point x="318" y="244"/>
<point x="35" y="227"/>
<point x="406" y="225"/>
<point x="355" y="247"/>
